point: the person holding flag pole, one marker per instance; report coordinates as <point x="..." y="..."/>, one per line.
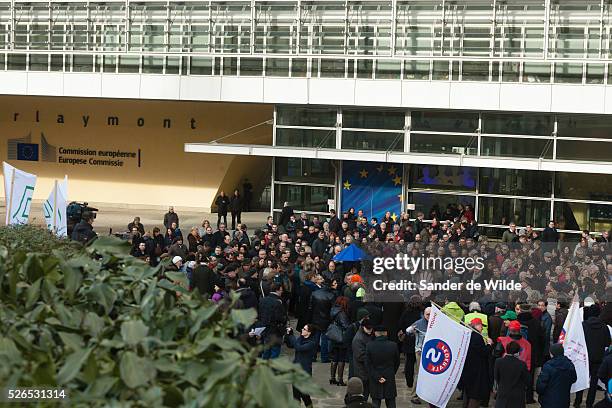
<point x="443" y="356"/>
<point x="575" y="346"/>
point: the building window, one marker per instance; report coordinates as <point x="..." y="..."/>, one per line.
<point x="359" y="140"/>
<point x="305" y="137"/>
<point x="503" y="211"/>
<point x="443" y="177"/>
<point x="305" y="170"/>
<point x="515" y="182"/>
<point x="298" y="116"/>
<point x="303" y="197"/>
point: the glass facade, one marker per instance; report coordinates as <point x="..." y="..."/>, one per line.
<point x="460" y="40"/>
<point x="498" y="196"/>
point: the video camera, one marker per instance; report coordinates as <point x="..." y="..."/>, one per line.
<point x="75" y="212"/>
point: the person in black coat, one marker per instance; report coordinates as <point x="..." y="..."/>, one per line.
<point x="286" y="214"/>
<point x="334" y="222"/>
<point x="382" y="361"/>
<point x="171" y="217"/>
<point x="512" y="379"/>
<point x="247" y="295"/>
<point x="321" y="302"/>
<point x="475" y="378"/>
<point x="605" y="374"/>
<point x="305" y="350"/>
<point x="222" y="203"/>
<point x="535" y="336"/>
<point x="83" y="232"/>
<point x="411" y="314"/>
<point x="272" y="316"/>
<point x="556" y="379"/>
<point x="235" y="205"/>
<point x="597" y="338"/>
<point x="204" y="279"/>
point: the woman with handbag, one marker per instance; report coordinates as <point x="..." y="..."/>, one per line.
<point x="339" y="348"/>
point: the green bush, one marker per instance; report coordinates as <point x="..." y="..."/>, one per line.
<point x="98" y="323"/>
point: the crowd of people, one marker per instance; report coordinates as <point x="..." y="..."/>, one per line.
<point x="286" y="270"/>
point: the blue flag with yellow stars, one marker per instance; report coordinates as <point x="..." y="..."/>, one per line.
<point x="372" y="187"/>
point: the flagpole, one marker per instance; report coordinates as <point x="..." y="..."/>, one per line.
<point x="55" y="208"/>
<point x="10" y="198"/>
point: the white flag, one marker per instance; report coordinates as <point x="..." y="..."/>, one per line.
<point x="18" y="192"/>
<point x="444" y="350"/>
<point x="54" y="209"/>
<point x="572" y="338"/>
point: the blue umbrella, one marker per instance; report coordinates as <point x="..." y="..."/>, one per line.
<point x="351" y="253"/>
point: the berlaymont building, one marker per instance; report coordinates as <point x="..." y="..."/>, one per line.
<point x="504" y="105"/>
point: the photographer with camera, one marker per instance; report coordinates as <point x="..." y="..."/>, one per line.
<point x="83" y="232"/>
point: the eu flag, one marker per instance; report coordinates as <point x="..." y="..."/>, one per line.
<point x="27" y="151"/>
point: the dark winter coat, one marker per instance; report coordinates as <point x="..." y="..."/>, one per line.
<point x="382" y="360"/>
<point x="535" y="336"/>
<point x="303" y="306"/>
<point x="305" y="351"/>
<point x="222" y="203"/>
<point x="475" y="379"/>
<point x="248" y="298"/>
<point x="169" y="218"/>
<point x="597" y="338"/>
<point x="286" y="214"/>
<point x="236" y="204"/>
<point x="560" y="316"/>
<point x="334" y="224"/>
<point x="83" y="232"/>
<point x="555" y="381"/>
<point x="605" y="369"/>
<point x="272" y="315"/>
<point x="356" y="401"/>
<point x="340" y="317"/>
<point x="512" y="380"/>
<point x="359" y="344"/>
<point x="204" y="279"/>
<point x="495" y="327"/>
<point x="321" y="302"/>
<point x="407" y="318"/>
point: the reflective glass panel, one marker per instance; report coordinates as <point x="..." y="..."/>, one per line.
<point x="515" y="182"/>
<point x="443" y="177"/>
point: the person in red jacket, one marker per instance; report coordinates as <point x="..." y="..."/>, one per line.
<point x="514" y="334"/>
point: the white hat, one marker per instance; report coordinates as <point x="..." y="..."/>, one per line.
<point x="176" y="259"/>
<point x="191" y="264"/>
<point x="589" y="302"/>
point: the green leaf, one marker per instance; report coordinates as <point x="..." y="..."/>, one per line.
<point x="178" y="278"/>
<point x="32" y="267"/>
<point x="71" y="340"/>
<point x="93" y="324"/>
<point x="101" y="386"/>
<point x="133" y="331"/>
<point x="244" y="317"/>
<point x="265" y="390"/>
<point x="33" y="294"/>
<point x="110" y="245"/>
<point x="136" y="371"/>
<point x="73" y="365"/>
<point x="104" y="295"/>
<point x="72" y="279"/>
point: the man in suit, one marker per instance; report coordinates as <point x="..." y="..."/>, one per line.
<point x="512" y="378"/>
<point x="382" y="361"/>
